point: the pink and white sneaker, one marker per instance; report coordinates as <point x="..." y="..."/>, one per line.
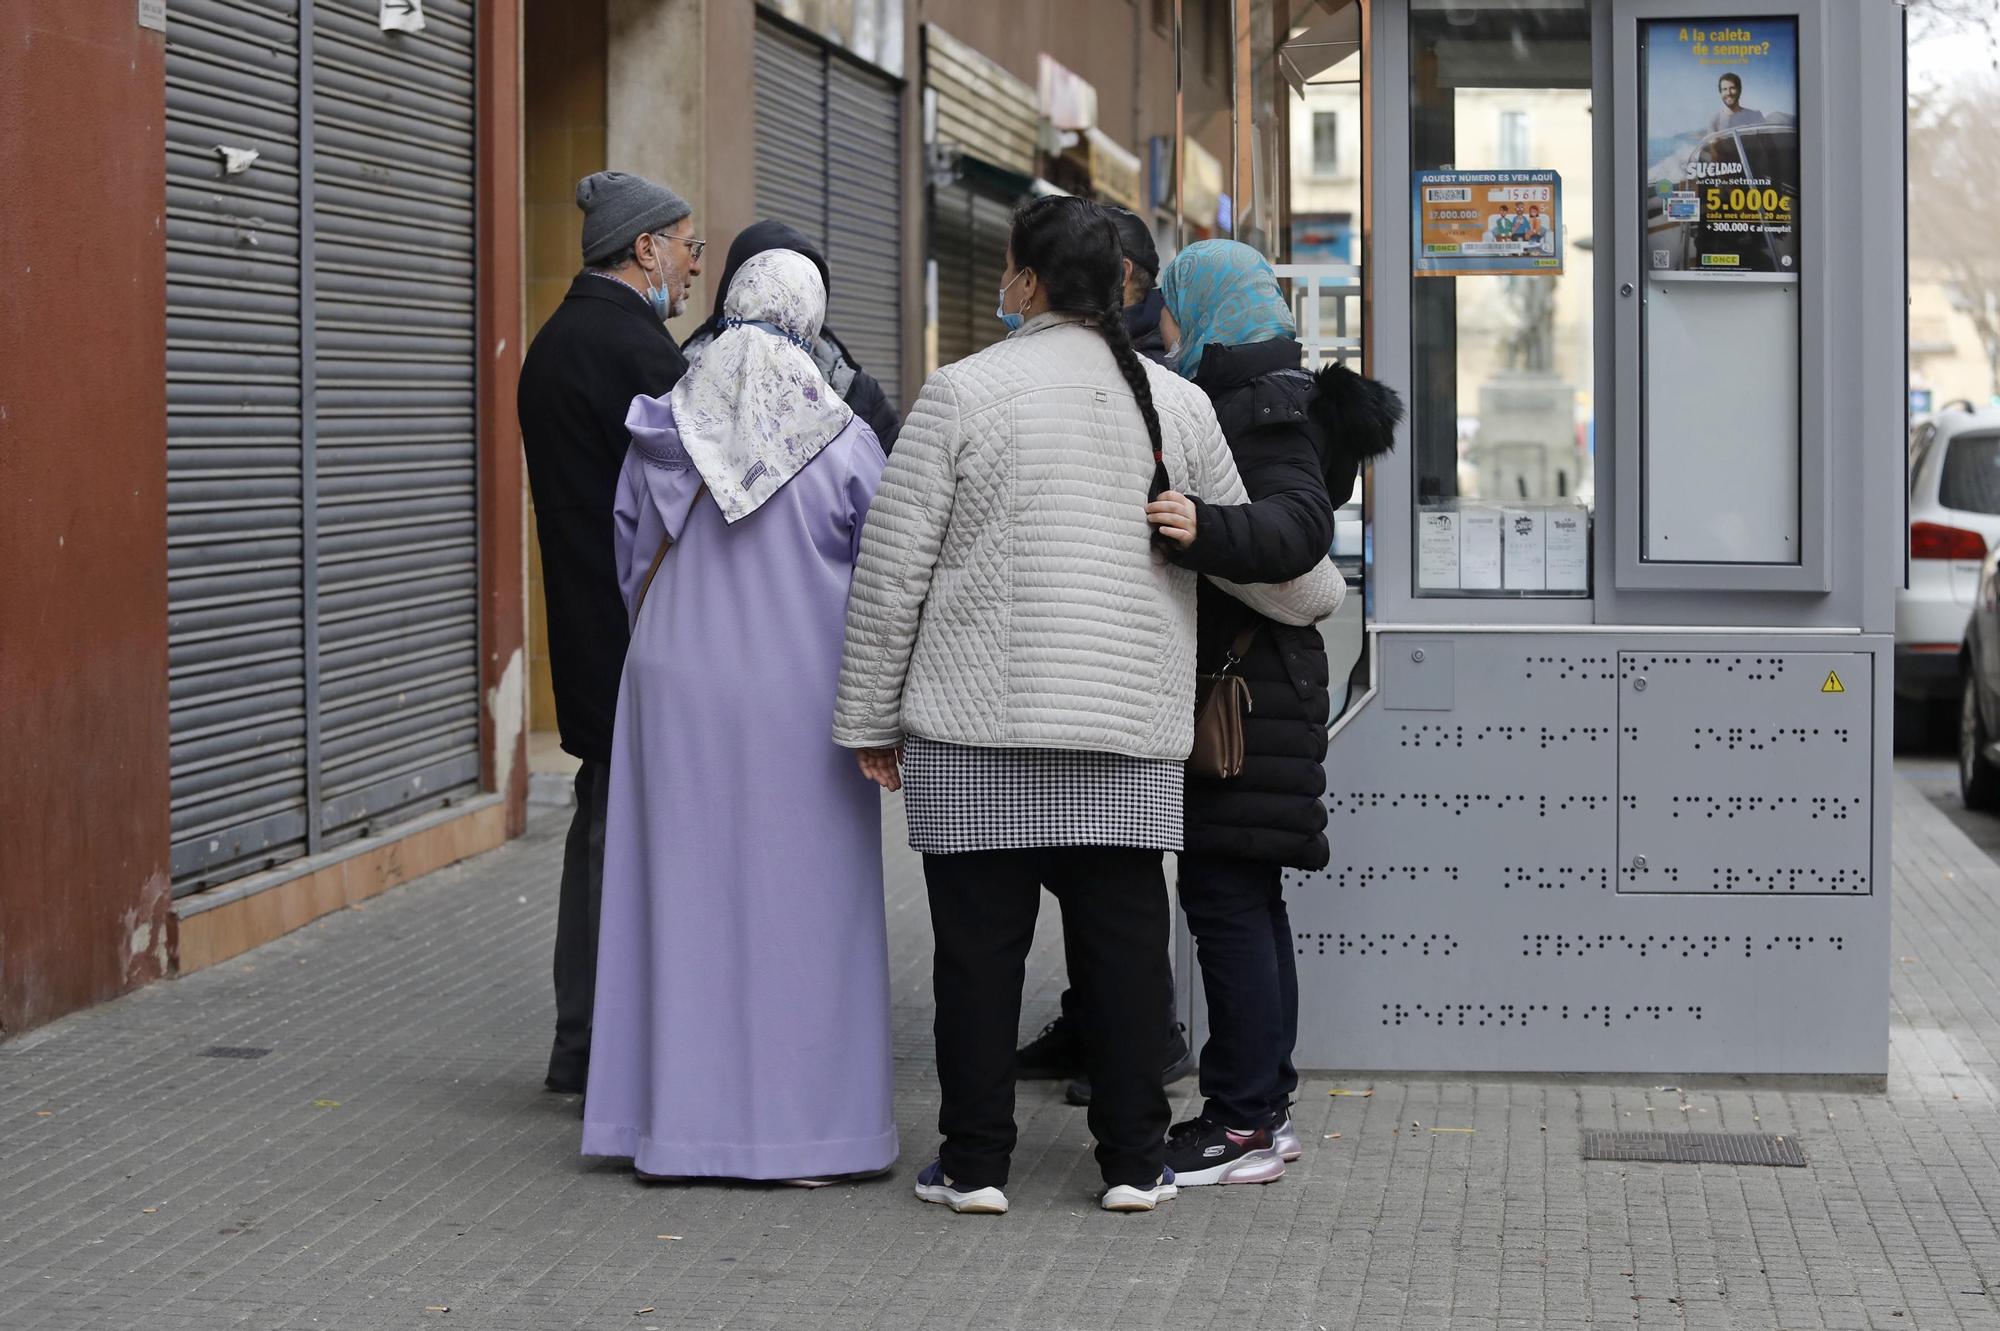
<point x="1201" y="1152"/>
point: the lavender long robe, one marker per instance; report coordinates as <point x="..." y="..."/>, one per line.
<point x="742" y="1021"/>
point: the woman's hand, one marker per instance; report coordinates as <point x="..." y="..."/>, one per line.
<point x="882" y="766"/>
<point x="1173" y="515"/>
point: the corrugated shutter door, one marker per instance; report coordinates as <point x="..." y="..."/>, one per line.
<point x="829" y="162"/>
<point x="992" y="224"/>
<point x="951" y="250"/>
<point x="322" y="591"/>
<point x="969" y="242"/>
<point x="235" y="516"/>
<point x="791" y="131"/>
<point x="864" y="240"/>
<point x="397" y="475"/>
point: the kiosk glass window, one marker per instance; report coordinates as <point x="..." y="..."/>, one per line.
<point x="1501" y="187"/>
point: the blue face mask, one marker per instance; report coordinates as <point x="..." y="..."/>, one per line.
<point x="1011" y="318"/>
<point x="660" y="297"/>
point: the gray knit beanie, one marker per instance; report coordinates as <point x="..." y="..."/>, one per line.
<point x="619" y="208"/>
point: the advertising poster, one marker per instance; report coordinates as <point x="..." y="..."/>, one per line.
<point x="1721" y="109"/>
<point x="1487" y="222"/>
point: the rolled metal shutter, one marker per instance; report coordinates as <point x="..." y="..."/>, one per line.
<point x="322" y="553"/>
<point x="969" y="244"/>
<point x="829" y="162"/>
<point x="236" y="637"/>
<point x="951" y="251"/>
<point x="864" y="243"/>
<point x="397" y="497"/>
<point x="790" y="73"/>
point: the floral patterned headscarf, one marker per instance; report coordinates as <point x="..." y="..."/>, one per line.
<point x="755" y="409"/>
<point x="1223" y="294"/>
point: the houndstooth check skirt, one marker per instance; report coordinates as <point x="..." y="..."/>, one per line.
<point x="960" y="798"/>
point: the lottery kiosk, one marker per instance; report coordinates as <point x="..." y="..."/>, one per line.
<point x="1610" y="788"/>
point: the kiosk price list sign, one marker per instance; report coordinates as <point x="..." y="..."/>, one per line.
<point x="1722" y="145"/>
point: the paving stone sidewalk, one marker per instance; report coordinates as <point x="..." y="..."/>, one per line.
<point x="392" y="1157"/>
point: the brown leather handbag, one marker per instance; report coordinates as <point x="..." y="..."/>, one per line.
<point x="1221" y="701"/>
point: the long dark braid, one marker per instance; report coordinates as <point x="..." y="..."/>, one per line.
<point x="1072" y="244"/>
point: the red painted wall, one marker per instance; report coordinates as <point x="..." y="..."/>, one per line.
<point x="83" y="580"/>
<point x="502" y="469"/>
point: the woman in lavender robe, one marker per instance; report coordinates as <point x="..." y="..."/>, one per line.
<point x="742" y="1022"/>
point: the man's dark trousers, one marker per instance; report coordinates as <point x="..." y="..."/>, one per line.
<point x="576" y="930"/>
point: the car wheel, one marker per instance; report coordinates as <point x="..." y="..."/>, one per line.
<point x="1978" y="778"/>
<point x="1923" y="725"/>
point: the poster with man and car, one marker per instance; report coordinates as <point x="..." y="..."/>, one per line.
<point x="1721" y="105"/>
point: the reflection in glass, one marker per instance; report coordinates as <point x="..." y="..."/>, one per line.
<point x="1288" y="146"/>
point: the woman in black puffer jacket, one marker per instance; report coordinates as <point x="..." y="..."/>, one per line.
<point x="855" y="385"/>
<point x="1230" y="330"/>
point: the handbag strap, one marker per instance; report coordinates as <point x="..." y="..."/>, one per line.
<point x="1239" y="647"/>
<point x="666" y="544"/>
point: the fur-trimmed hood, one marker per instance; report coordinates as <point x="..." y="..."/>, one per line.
<point x="1358" y="415"/>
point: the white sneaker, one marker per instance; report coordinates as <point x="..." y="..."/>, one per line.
<point x="1125" y="1197"/>
<point x="1285" y="1140"/>
<point x="933" y="1186"/>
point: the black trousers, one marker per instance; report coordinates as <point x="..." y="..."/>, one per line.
<point x="576" y="929"/>
<point x="1115" y="923"/>
<point x="1072" y="1009"/>
<point x="1249" y="974"/>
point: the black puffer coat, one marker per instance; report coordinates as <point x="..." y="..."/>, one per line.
<point x="1271" y="812"/>
<point x="855" y="385"/>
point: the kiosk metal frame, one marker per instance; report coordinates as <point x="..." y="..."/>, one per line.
<point x="1645" y="830"/>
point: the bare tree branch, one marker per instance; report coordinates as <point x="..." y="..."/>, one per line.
<point x="1954" y="164"/>
<point x="1976" y="20"/>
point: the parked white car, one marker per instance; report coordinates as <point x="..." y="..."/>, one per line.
<point x="1954" y="522"/>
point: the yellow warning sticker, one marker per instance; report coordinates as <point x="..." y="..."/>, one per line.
<point x="1833" y="684"/>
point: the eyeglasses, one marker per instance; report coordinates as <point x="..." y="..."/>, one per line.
<point x="695" y="247"/>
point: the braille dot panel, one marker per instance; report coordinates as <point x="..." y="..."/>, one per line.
<point x="1759" y="739"/>
<point x="1759" y="668"/>
<point x="1833" y="808"/>
<point x="1724" y="878"/>
<point x="1520" y="1015"/>
<point x="1460" y="804"/>
<point x="1554" y="879"/>
<point x="1404" y="946"/>
<point x="1571" y="667"/>
<point x="1690" y="946"/>
<point x="1440" y="736"/>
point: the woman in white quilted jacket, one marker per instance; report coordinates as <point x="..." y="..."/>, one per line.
<point x="1019" y="661"/>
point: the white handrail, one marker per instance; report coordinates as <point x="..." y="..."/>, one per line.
<point x="1311" y="281"/>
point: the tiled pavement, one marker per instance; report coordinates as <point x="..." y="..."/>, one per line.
<point x="393" y="1157"/>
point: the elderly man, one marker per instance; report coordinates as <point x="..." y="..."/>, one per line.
<point x="606" y="344"/>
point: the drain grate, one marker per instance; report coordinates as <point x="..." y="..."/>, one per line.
<point x="1695" y="1148"/>
<point x="232" y="1051"/>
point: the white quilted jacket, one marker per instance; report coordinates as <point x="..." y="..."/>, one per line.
<point x="1007" y="594"/>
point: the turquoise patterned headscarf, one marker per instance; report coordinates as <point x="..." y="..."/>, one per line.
<point x="1222" y="293"/>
